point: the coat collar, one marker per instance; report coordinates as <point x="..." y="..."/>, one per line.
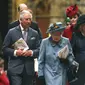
<point x="53" y="43"/>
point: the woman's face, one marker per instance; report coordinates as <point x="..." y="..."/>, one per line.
<point x="73" y="19"/>
<point x="56" y="36"/>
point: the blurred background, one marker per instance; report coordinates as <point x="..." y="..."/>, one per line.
<point x="44" y="11"/>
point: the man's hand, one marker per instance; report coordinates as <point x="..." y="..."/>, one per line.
<point x="19" y="52"/>
<point x="28" y="53"/>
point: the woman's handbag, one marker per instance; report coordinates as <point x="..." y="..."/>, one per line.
<point x="72" y="72"/>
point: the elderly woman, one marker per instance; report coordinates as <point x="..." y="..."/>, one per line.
<point x="78" y="45"/>
<point x="54" y="52"/>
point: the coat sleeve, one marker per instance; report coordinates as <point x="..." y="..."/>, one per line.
<point x="37" y="46"/>
<point x="41" y="59"/>
<point x="70" y="57"/>
<point x="7" y="44"/>
<point x="73" y="42"/>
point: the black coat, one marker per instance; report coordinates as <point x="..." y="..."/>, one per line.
<point x="78" y="45"/>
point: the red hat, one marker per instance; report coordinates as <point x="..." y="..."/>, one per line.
<point x="71" y="10"/>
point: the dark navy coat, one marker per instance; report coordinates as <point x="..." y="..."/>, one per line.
<point x="17" y="64"/>
<point x="78" y="45"/>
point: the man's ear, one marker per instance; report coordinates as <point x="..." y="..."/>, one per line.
<point x="20" y="20"/>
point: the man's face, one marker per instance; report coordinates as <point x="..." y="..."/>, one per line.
<point x="26" y="20"/>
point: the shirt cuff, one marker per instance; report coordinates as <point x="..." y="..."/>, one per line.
<point x="15" y="53"/>
<point x="32" y="53"/>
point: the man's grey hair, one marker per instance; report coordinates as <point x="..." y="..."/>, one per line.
<point x="24" y="12"/>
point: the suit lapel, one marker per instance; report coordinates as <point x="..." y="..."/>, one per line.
<point x="29" y="35"/>
<point x="19" y="31"/>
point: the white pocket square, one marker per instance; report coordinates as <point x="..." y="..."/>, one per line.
<point x="33" y="38"/>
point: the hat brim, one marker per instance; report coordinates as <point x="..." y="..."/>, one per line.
<point x="59" y="30"/>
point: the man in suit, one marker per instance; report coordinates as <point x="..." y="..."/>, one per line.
<point x="21" y="62"/>
<point x="33" y="25"/>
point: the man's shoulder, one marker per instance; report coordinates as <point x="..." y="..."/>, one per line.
<point x="34" y="22"/>
<point x="32" y="30"/>
<point x="14" y="28"/>
<point x="13" y="24"/>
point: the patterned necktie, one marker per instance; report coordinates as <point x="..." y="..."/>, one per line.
<point x="25" y="35"/>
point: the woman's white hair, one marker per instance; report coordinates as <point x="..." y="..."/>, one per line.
<point x="24" y="12"/>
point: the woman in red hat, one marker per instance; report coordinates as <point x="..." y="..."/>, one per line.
<point x="73" y="13"/>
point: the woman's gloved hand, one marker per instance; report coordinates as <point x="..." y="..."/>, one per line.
<point x="75" y="66"/>
<point x="72" y="71"/>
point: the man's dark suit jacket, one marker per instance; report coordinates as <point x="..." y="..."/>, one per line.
<point x="34" y="26"/>
<point x="17" y="64"/>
